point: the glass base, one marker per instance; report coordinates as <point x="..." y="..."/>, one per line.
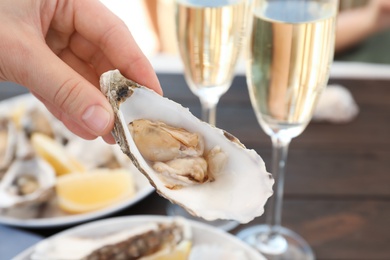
<point x="283" y="245"/>
<point x="175" y="210"/>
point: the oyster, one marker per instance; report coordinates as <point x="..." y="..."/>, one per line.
<point x="28" y="180"/>
<point x="93" y="153"/>
<point x="148" y="241"/>
<point x="7" y="143"/>
<point x="35" y="119"/>
<point x="234" y="184"/>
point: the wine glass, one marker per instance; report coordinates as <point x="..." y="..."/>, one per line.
<point x="209" y="35"/>
<point x="290" y="50"/>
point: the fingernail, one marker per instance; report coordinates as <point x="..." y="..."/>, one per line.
<point x="96" y="118"/>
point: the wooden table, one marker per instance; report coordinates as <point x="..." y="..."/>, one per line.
<point x="337" y="190"/>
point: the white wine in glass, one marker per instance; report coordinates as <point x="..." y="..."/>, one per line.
<point x="291" y="47"/>
<point x="210" y="35"/>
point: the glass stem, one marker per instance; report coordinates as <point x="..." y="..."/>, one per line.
<point x="209" y="107"/>
<point x="279" y="157"/>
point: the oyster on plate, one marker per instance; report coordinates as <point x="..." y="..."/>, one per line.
<point x="202" y="168"/>
<point x="7" y="143"/>
<point x="149" y="241"/>
<point x="28" y="180"/>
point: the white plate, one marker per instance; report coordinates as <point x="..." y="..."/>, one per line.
<point x="202" y="234"/>
<point x="61" y="219"/>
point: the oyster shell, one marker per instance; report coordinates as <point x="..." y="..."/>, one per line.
<point x="93" y="153"/>
<point x="239" y="186"/>
<point x="148" y="241"/>
<point x="35" y="119"/>
<point x="28" y="180"/>
<point x="7" y="143"/>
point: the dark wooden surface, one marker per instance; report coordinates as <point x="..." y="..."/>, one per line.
<point x="337" y="191"/>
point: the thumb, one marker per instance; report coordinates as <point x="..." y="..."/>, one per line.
<point x="69" y="96"/>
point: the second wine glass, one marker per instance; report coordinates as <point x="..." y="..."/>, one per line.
<point x="210" y="35"/>
<point x="290" y="51"/>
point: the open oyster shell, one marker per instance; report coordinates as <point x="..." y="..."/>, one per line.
<point x="240" y="188"/>
<point x="27" y="181"/>
<point x="149" y="241"/>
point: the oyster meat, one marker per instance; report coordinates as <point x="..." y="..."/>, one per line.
<point x="174" y="153"/>
<point x="202" y="168"/>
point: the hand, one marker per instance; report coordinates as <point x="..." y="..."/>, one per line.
<point x="59" y="48"/>
<point x="379" y="11"/>
<point x="355" y="25"/>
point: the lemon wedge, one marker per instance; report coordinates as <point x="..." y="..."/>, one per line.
<point x="17" y="114"/>
<point x="181" y="252"/>
<point x="55" y="154"/>
<point x="93" y="190"/>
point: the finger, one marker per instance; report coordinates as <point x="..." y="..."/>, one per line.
<point x="55" y="112"/>
<point x="67" y="91"/>
<point x="88" y="73"/>
<point x="114" y="39"/>
<point x="109" y="139"/>
<point x="76" y="128"/>
<point x="90" y="53"/>
<point x="82" y="68"/>
<point x="68" y="122"/>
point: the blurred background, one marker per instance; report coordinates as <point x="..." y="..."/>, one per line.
<point x="152" y="25"/>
